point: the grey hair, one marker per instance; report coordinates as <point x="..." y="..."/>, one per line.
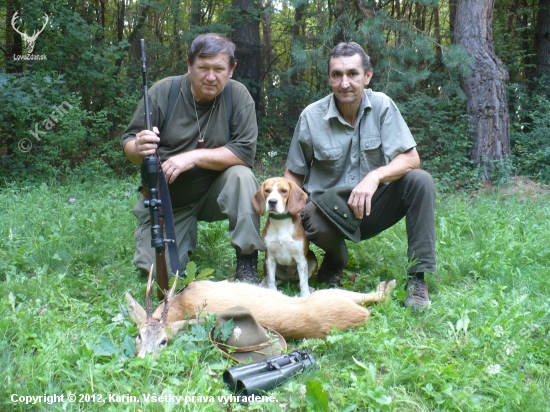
<point x="350" y="49"/>
<point x="211" y="44"/>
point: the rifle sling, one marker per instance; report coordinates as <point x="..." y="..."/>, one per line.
<point x="166" y="202"/>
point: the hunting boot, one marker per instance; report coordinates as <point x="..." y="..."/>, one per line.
<point x="417" y="293"/>
<point x="247" y="268"/>
<point x="329" y="273"/>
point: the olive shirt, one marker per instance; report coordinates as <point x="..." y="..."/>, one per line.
<point x="332" y="153"/>
<point x="182" y="133"/>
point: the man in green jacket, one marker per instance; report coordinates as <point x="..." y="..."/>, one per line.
<point x="206" y="153"/>
<point x="356" y="138"/>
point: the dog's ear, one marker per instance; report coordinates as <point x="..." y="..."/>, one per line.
<point x="296" y="199"/>
<point x="258" y="201"/>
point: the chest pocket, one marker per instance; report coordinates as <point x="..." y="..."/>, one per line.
<point x="328" y="154"/>
<point x="371" y="150"/>
<point x="329" y="159"/>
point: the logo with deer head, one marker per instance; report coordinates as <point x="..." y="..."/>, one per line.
<point x="29" y="40"/>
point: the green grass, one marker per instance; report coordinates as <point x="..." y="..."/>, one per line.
<point x="65" y="266"/>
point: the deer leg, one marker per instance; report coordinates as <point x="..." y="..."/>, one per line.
<point x="383" y="292"/>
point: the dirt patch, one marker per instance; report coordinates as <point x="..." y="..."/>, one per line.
<point x="517" y="185"/>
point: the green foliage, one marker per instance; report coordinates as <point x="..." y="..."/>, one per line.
<point x="65" y="266"/>
<point x="93" y="64"/>
<point x="530" y="132"/>
<point x="316" y="397"/>
<point x="440" y="127"/>
<point x="49" y="133"/>
<point x="513" y="32"/>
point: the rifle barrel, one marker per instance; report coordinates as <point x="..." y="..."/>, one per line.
<point x="145" y="87"/>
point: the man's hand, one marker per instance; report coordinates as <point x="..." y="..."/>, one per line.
<point x="219" y="159"/>
<point x="361" y="196"/>
<point x="146" y="142"/>
<point x="178" y="164"/>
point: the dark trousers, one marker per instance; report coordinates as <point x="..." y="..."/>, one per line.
<point x="229" y="197"/>
<point x="412" y="197"/>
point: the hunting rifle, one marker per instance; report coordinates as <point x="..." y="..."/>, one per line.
<point x="154" y="181"/>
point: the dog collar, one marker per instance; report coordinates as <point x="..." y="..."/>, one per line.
<point x="280" y="217"/>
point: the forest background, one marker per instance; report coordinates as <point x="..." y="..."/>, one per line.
<point x="470" y="77"/>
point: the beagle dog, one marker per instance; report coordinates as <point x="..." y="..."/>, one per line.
<point x="287" y="249"/>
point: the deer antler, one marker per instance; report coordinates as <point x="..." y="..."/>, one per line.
<point x="149" y="295"/>
<point x="24" y="35"/>
<point x="35" y="34"/>
<point x="167" y="300"/>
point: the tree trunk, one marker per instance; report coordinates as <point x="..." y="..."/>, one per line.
<point x="14" y="42"/>
<point x="485" y="87"/>
<point x="266" y="51"/>
<point x="437" y="35"/>
<point x="135" y="36"/>
<point x="452" y="16"/>
<point x="294" y="101"/>
<point x="542" y="39"/>
<point x="196" y="13"/>
<point x="121" y="11"/>
<point x="338" y="11"/>
<point x="101" y="20"/>
<point x="246" y="36"/>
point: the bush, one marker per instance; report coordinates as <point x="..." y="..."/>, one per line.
<point x="440" y="127"/>
<point x="48" y="132"/>
<point x="530" y="133"/>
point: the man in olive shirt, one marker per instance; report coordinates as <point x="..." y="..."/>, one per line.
<point x="357" y="138"/>
<point x="206" y="153"/>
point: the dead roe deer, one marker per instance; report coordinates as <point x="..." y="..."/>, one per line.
<point x="293" y="317"/>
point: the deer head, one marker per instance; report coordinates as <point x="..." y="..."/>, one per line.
<point x="154" y="334"/>
<point x="29" y="40"/>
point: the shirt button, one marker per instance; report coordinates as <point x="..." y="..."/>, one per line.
<point x="354" y="156"/>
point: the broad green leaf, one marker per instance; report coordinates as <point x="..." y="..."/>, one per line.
<point x="129" y="346"/>
<point x="227" y="329"/>
<point x="316" y="397"/>
<point x="105" y="347"/>
<point x="361" y="364"/>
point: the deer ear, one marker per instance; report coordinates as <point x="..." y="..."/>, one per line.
<point x="258" y="201"/>
<point x="176" y="326"/>
<point x="136" y="311"/>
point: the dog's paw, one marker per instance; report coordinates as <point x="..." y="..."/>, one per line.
<point x="304" y="293"/>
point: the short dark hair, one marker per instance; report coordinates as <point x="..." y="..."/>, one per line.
<point x="350" y="49"/>
<point x="211" y="44"/>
